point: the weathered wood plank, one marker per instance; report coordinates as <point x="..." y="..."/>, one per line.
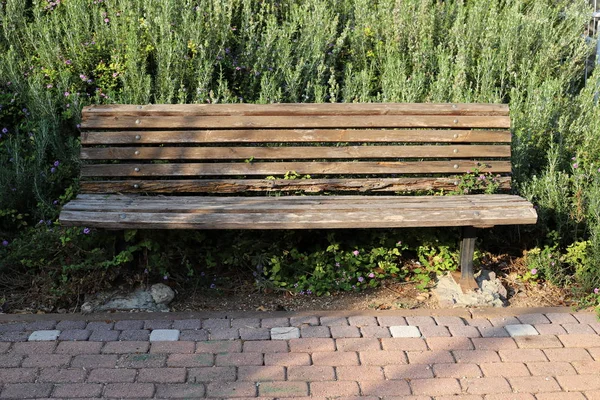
<point x="316" y="121"/>
<point x="298" y="109"/>
<point x="292" y="152"/>
<point x="315" y="220"/>
<point x="285" y="185"/>
<point x="295" y="135"/>
<point x="302" y="168"/>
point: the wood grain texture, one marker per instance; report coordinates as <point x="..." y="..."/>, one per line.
<point x="295" y="136"/>
<point x="302" y="168"/>
<point x="314" y="121"/>
<point x="292" y="152"/>
<point x="365" y="185"/>
<point x="297" y="109"/>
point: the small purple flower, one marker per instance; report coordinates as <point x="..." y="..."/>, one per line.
<point x="67" y="94"/>
<point x="212" y="286"/>
<point x="399" y="243"/>
<point x="56" y="163"/>
<point x="52" y="170"/>
<point x="309" y="291"/>
<point x="49" y="86"/>
<point x="534" y="271"/>
<point x="78" y="126"/>
<point x="82" y="77"/>
<point x="360" y="279"/>
<point x="5" y="243"/>
<point x="596" y="291"/>
<point x="355" y="252"/>
<point x="106" y="20"/>
<point x="574" y="158"/>
<point x="575" y="166"/>
<point x="371" y="275"/>
<point x="41" y="222"/>
<point x="55" y="202"/>
<point x="337" y="264"/>
<point x="86" y="231"/>
<point x="4" y="130"/>
<point x="165" y="277"/>
<point x="237" y="68"/>
<point x="146" y="271"/>
<point x="68" y="62"/>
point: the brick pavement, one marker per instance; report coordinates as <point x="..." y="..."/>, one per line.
<point x="531" y="354"/>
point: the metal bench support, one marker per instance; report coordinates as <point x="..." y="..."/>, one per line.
<point x="467" y="251"/>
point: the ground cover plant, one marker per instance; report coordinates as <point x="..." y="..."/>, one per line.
<point x="535" y="55"/>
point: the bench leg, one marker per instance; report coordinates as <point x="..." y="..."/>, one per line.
<point x="467" y="251"/>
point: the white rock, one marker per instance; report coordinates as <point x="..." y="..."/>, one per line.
<point x="87" y="308"/>
<point x="161" y="293"/>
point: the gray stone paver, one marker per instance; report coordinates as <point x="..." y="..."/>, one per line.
<point x="45" y="335"/>
<point x="536" y="355"/>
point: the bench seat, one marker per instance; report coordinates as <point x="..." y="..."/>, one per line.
<point x="297" y="166"/>
<point x="296" y="212"/>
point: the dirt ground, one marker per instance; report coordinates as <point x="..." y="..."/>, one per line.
<point x="389" y="296"/>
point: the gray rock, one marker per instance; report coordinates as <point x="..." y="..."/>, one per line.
<point x="491" y="292"/>
<point x="161" y="293"/>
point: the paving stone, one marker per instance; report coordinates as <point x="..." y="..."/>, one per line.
<point x="522" y="355"/>
<point x="17" y="375"/>
<point x="224" y="333"/>
<point x="479" y="322"/>
<point x="266" y="346"/>
<point x="533" y="319"/>
<point x="104" y="336"/>
<point x="231" y="389"/>
<point x="90" y="361"/>
<point x="46" y="335"/>
<point x="434" y="331"/>
<point x="12" y="327"/>
<point x="191" y="360"/>
<point x="344" y="331"/>
<point x="567" y="355"/>
<point x="245" y="323"/>
<point x="382" y="358"/>
<point x="587" y="317"/>
<point x="420" y="321"/>
<point x="561" y="318"/>
<point x="46" y="360"/>
<point x="391" y="321"/>
<point x="26" y="390"/>
<point x="310" y="345"/>
<point x="449" y="320"/>
<point x="281" y="333"/>
<point x="99" y="325"/>
<point x="315" y="331"/>
<point x="179" y="347"/>
<point x="211" y="374"/>
<point x="180" y="391"/>
<point x="494" y="343"/>
<point x="255" y="333"/>
<point x="486" y="385"/>
<point x="550" y="329"/>
<point x="574" y="340"/>
<point x="332" y="389"/>
<point x="335" y="358"/>
<point x="314" y="373"/>
<point x="133" y="324"/>
<point x="4" y="346"/>
<point x="237" y="359"/>
<point x="361" y="344"/>
<point x="62" y="375"/>
<point x="125" y="347"/>
<point x="416" y="371"/>
<point x="75" y="348"/>
<point x="573" y="383"/>
<point x="161" y="375"/>
<point x="68" y="325"/>
<point x="134" y="335"/>
<point x="333" y="321"/>
<point x="551" y="368"/>
<point x="40" y="325"/>
<point x="274" y="322"/>
<point x="11" y="360"/>
<point x="579" y="329"/>
<point x="283" y="389"/>
<point x="503" y="321"/>
<point x="493" y="331"/>
<point x="110" y="375"/>
<point x="449" y="343"/>
<point x="164" y="335"/>
<point x="405" y="331"/>
<point x="142" y="361"/>
<point x="77" y="390"/>
<point x="504" y="369"/>
<point x="305" y="320"/>
<point x="538" y="342"/>
<point x="261" y="374"/>
<point x="75" y="335"/>
<point x="533" y="384"/>
<point x="219" y="346"/>
<point x="464" y="331"/>
<point x="464" y="370"/>
<point x="429" y="357"/>
<point x="182" y="324"/>
<point x="152" y="324"/>
<point x="375" y="331"/>
<point x="384" y="388"/>
<point x="216" y="323"/>
<point x="287" y="359"/>
<point x="406" y="344"/>
<point x="194" y="335"/>
<point x="521" y="330"/>
<point x="14" y="336"/>
<point x="476" y="356"/>
<point x="359" y="320"/>
<point x="129" y="390"/>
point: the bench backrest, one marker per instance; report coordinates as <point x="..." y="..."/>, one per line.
<point x="237" y="148"/>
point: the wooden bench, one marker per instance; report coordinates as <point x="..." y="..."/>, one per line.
<point x="230" y="166"/>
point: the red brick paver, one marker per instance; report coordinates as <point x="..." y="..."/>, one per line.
<point x="340" y="356"/>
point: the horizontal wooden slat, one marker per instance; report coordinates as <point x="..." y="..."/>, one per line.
<point x="316" y="121"/>
<point x="264" y="185"/>
<point x="298" y="109"/>
<point x="308" y="220"/>
<point x="293" y="152"/>
<point x="295" y="135"/>
<point x="302" y="168"/>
